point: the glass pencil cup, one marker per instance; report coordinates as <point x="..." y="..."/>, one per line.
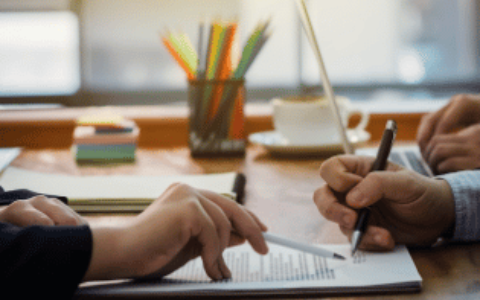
<point x="216" y="122"/>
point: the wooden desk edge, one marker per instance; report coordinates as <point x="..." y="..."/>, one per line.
<point x="160" y="126"/>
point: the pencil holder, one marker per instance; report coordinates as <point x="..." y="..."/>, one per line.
<point x="216" y="123"/>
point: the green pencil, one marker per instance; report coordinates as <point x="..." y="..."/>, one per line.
<point x="226" y="105"/>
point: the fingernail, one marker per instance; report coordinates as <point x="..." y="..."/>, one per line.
<point x="219" y="274"/>
<point x="355" y="197"/>
<point x="225" y="271"/>
<point x="265" y="248"/>
<point x="227" y="274"/>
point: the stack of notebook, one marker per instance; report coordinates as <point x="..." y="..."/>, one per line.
<point x="103" y="138"/>
<point x="113" y="193"/>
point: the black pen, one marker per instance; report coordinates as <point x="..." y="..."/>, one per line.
<point x="379" y="165"/>
<point x="239" y="187"/>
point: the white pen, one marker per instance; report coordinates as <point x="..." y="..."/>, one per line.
<point x="300" y="246"/>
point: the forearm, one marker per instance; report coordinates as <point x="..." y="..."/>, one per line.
<point x="109" y="255"/>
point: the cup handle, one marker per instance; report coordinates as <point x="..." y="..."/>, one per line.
<point x="364" y="118"/>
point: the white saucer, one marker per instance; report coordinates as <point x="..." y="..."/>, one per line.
<point x="277" y="144"/>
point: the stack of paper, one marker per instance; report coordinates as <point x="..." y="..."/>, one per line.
<point x="105" y="138"/>
<point x="116" y="193"/>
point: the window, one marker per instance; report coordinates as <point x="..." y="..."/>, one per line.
<point x="124" y="52"/>
<point x="39" y="53"/>
<point x="421" y="46"/>
<point x="409" y="41"/>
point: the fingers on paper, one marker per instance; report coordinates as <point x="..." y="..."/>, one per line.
<point x="205" y="231"/>
<point x="227" y="216"/>
<point x="243" y="222"/>
<point x="224" y="269"/>
<point x="220" y="219"/>
<point x="207" y="223"/>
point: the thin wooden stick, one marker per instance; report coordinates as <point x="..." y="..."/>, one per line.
<point x="307" y="26"/>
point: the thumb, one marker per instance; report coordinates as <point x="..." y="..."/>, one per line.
<point x="400" y="187"/>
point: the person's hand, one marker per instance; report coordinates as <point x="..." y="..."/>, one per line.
<point x="462" y="111"/>
<point x="181" y="224"/>
<point x="40" y="210"/>
<point x="406" y="207"/>
<point x="455" y="151"/>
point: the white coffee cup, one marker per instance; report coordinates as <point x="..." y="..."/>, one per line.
<point x="309" y="120"/>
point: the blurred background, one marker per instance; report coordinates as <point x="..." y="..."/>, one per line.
<point x="108" y="52"/>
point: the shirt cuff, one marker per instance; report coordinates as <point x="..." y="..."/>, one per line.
<point x="465" y="187"/>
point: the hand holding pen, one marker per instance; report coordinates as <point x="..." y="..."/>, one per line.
<point x="405" y="207"/>
<point x="378" y="165"/>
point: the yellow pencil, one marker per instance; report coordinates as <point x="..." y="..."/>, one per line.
<point x="189" y="51"/>
<point x="178" y="58"/>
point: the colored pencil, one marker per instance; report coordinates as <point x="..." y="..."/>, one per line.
<point x="223" y="71"/>
<point x="228" y="101"/>
<point x="178" y="58"/>
<point x="216" y="76"/>
<point x="180" y="47"/>
<point x="189" y="51"/>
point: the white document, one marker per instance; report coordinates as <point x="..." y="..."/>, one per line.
<point x="283" y="271"/>
<point x="287" y="268"/>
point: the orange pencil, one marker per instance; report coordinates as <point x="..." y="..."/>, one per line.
<point x="177" y="57"/>
<point x="225" y="64"/>
<point x="237" y="123"/>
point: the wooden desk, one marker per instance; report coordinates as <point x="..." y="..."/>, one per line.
<point x="280" y="192"/>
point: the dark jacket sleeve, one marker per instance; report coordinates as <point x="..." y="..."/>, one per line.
<point x="37" y="261"/>
<point x="7" y="198"/>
